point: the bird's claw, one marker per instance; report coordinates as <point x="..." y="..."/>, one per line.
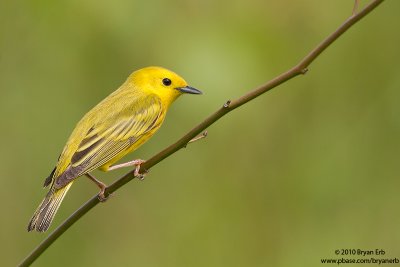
<point x="102" y="197"/>
<point x="137" y="173"/>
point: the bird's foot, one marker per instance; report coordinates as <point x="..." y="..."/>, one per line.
<point x="137" y="173"/>
<point x="102" y="197"/>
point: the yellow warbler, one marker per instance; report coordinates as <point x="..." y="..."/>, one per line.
<point x="116" y="126"/>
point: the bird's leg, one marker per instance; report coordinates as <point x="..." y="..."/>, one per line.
<point x="136" y="163"/>
<point x="101" y="185"/>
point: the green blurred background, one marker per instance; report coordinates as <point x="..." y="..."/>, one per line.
<point x="308" y="168"/>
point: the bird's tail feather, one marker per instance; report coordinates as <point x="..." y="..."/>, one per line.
<point x="44" y="214"/>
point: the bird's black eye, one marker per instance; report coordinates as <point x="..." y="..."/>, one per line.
<point x="166" y="82"/>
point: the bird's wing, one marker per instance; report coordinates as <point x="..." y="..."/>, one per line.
<point x="104" y="141"/>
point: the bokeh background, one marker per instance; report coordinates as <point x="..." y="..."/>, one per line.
<point x="310" y="167"/>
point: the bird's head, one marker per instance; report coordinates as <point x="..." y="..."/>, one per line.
<point x="162" y="82"/>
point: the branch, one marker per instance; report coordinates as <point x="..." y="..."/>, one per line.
<point x="300" y="68"/>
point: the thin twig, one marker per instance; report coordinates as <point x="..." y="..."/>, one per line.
<point x="356" y="4"/>
<point x="300" y="68"/>
<point x="199" y="137"/>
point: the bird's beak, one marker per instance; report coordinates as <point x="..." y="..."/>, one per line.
<point x="189" y="90"/>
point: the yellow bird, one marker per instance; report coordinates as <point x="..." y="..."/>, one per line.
<point x="116" y="126"/>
